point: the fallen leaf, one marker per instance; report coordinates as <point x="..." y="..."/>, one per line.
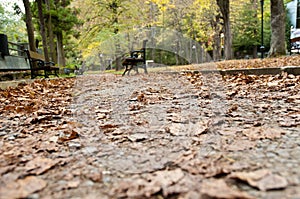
<point x="138" y="137"/>
<point x="239" y="145"/>
<point x="22" y="188"/>
<point x="219" y="189"/>
<point x="154" y="183"/>
<point x="166" y="178"/>
<point x="271" y="182"/>
<point x="262" y="179"/>
<point x="67" y="135"/>
<point x="72" y="184"/>
<point x="208" y="167"/>
<point x="95" y="176"/>
<point x="40" y="165"/>
<point x="256" y="133"/>
<point x="287" y="122"/>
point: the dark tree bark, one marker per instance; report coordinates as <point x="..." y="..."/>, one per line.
<point x="50" y="34"/>
<point x="60" y="50"/>
<point x="224" y="8"/>
<point x="29" y="25"/>
<point x="114" y="6"/>
<point x="217" y="49"/>
<point x="42" y="29"/>
<point x="277" y="29"/>
<point x="61" y="61"/>
<point x="254" y="4"/>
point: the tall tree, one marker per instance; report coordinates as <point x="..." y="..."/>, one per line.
<point x="3" y="19"/>
<point x="225" y="11"/>
<point x="277" y="28"/>
<point x="245" y="26"/>
<point x="12" y="25"/>
<point x="29" y="25"/>
<point x="43" y="29"/>
<point x="63" y="18"/>
<point x="50" y="31"/>
<point x="106" y="18"/>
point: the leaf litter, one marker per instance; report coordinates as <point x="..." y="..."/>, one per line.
<point x="151" y="137"/>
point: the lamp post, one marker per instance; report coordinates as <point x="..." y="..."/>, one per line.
<point x="262" y="48"/>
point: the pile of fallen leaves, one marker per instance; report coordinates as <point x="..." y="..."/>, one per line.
<point x="41" y="97"/>
<point x="293" y="60"/>
<point x="31" y="122"/>
<point x="168" y="145"/>
<point x="35" y="107"/>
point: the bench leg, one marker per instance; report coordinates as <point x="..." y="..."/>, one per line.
<point x="136" y="68"/>
<point x="55" y="72"/>
<point x="46" y="74"/>
<point x="126" y="69"/>
<point x="145" y="69"/>
<point x="32" y="75"/>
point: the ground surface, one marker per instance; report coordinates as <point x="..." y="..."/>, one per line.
<point x="152" y="136"/>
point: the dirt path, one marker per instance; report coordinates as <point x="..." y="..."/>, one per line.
<point x="172" y="136"/>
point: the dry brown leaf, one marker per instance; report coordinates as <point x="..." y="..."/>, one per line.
<point x="287" y="122"/>
<point x="219" y="189"/>
<point x="138" y="137"/>
<point x="72" y="184"/>
<point x="68" y="135"/>
<point x="262" y="179"/>
<point x="22" y="188"/>
<point x="40" y="165"/>
<point x="166" y="178"/>
<point x="240" y="145"/>
<point x="208" y="167"/>
<point x="256" y="133"/>
<point x="95" y="176"/>
<point x="160" y="180"/>
<point x="272" y="181"/>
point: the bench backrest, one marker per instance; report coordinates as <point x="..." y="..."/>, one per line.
<point x="141" y="52"/>
<point x="3" y="45"/>
<point x="35" y="55"/>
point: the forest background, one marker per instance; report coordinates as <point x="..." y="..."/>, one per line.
<point x="72" y="31"/>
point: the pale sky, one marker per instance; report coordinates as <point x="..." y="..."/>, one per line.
<point x="7" y="4"/>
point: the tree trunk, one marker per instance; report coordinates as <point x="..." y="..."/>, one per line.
<point x="114" y="5"/>
<point x="60" y="50"/>
<point x="217" y="47"/>
<point x="29" y="25"/>
<point x="42" y="27"/>
<point x="277" y="29"/>
<point x="50" y="34"/>
<point x="255" y="7"/>
<point x="224" y="8"/>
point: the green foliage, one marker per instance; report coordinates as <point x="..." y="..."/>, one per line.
<point x="167" y="58"/>
<point x="246" y="25"/>
<point x="197" y="19"/>
<point x="104" y="18"/>
<point x="3" y="18"/>
<point x="86" y="24"/>
<point x="63" y="17"/>
<point x="11" y="25"/>
<point x="247" y="28"/>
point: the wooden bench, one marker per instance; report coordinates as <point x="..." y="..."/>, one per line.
<point x="38" y="63"/>
<point x="13" y="57"/>
<point x="136" y="57"/>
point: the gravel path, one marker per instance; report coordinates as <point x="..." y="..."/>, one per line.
<point x="203" y="128"/>
<point x="180" y="136"/>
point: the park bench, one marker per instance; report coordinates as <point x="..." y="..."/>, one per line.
<point x="136" y="58"/>
<point x="15" y="57"/>
<point x="38" y="63"/>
